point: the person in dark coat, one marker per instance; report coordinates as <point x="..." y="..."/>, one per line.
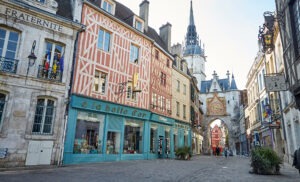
<point x="217" y="151"/>
<point x="296" y="161"/>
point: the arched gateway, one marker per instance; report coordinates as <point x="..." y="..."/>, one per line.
<point x="221" y="101"/>
<point x="220" y="97"/>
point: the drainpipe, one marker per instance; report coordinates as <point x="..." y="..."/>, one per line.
<point x="61" y="155"/>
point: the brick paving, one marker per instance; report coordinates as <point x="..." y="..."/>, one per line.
<point x="199" y="168"/>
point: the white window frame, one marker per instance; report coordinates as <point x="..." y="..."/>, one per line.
<point x="6" y="40"/>
<point x="42" y="123"/>
<point x="134" y="53"/>
<point x="101" y="82"/>
<point x="102" y="40"/>
<point x="136" y="22"/>
<point x="105" y="4"/>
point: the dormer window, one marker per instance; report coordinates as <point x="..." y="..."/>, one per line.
<point x="138" y="23"/>
<point x="108" y="6"/>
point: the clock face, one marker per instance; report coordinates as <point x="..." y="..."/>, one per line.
<point x="217" y="108"/>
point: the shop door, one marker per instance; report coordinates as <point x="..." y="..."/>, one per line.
<point x="161" y="147"/>
<point x="39" y="153"/>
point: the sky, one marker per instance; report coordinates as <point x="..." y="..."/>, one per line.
<point x="228" y="28"/>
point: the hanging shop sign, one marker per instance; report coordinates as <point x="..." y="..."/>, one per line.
<point x="275" y="83"/>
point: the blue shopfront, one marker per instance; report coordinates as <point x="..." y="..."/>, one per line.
<point x="104" y="131"/>
<point x="182" y="134"/>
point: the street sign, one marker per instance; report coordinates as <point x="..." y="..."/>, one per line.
<point x="275" y="83"/>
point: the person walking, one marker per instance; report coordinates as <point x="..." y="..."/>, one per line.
<point x="296" y="161"/>
<point x="225" y="152"/>
<point x="217" y="150"/>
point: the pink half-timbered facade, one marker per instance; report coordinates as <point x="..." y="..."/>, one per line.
<point x="114" y="63"/>
<point x="120" y="105"/>
<point x="161" y="82"/>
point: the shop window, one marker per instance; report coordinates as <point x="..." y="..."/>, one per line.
<point x="89" y="133"/>
<point x="175" y="139"/>
<point x="44" y="116"/>
<point x="186" y="138"/>
<point x="134" y="53"/>
<point x="104" y="40"/>
<point x="100" y="81"/>
<point x="153" y="139"/>
<point x="2" y="106"/>
<point x="113" y="142"/>
<point x="167" y="140"/>
<point x="133" y="137"/>
<point x="53" y="63"/>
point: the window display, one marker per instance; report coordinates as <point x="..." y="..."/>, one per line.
<point x="186" y="138"/>
<point x="175" y="138"/>
<point x="167" y="140"/>
<point x="133" y="137"/>
<point x="153" y="138"/>
<point x="113" y="143"/>
<point x="89" y="133"/>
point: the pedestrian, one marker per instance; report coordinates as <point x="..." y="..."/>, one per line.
<point x="296" y="161"/>
<point x="225" y="152"/>
<point x="217" y="151"/>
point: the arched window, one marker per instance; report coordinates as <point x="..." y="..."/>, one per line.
<point x="2" y="106"/>
<point x="44" y="116"/>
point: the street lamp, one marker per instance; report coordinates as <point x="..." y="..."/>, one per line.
<point x="266" y="32"/>
<point x="31" y="57"/>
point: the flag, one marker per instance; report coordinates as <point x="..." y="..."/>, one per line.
<point x="267" y="111"/>
<point x="47" y="63"/>
<point x="61" y="64"/>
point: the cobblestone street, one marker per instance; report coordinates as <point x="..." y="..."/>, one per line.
<point x="199" y="168"/>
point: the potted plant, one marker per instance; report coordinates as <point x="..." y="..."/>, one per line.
<point x="265" y="161"/>
<point x="183" y="153"/>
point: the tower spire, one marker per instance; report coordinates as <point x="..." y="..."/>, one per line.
<point x="191" y="14"/>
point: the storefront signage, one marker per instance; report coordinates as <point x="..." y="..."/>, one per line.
<point x="101" y="106"/>
<point x="161" y="119"/>
<point x="30" y="19"/>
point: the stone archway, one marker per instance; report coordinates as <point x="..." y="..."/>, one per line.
<point x="231" y="126"/>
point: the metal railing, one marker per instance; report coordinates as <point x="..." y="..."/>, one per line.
<point x="8" y="65"/>
<point x="49" y="74"/>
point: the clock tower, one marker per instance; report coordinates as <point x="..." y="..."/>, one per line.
<point x="193" y="52"/>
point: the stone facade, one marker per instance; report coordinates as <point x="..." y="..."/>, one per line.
<point x="35" y="96"/>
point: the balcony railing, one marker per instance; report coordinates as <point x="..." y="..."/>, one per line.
<point x="8" y="65"/>
<point x="49" y="74"/>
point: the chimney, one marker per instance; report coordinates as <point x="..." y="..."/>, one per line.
<point x="144" y="13"/>
<point x="165" y="34"/>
